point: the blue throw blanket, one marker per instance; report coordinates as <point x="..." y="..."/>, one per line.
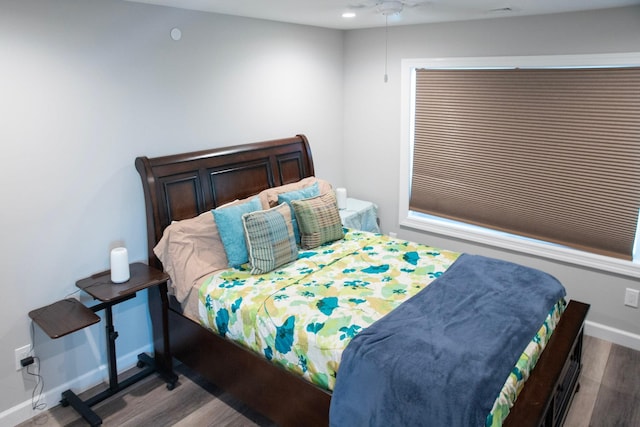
<point x="442" y="357"/>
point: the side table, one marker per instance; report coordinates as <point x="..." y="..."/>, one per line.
<point x="360" y="215"/>
<point x="69" y="315"/>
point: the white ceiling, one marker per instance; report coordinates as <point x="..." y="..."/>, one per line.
<point x="328" y="13"/>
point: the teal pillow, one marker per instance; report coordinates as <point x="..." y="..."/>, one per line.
<point x="270" y="240"/>
<point x="304" y="193"/>
<point x="229" y="222"/>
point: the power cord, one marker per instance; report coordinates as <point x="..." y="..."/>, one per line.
<point x="36" y="394"/>
<point x="33" y="369"/>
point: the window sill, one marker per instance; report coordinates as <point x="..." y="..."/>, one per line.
<point x="524" y="246"/>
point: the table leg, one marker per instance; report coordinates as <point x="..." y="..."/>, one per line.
<point x="112" y="334"/>
<point x="83" y="407"/>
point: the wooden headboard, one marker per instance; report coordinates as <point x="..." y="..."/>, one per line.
<point x="184" y="185"/>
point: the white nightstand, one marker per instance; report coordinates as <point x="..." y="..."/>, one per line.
<point x="360" y="215"/>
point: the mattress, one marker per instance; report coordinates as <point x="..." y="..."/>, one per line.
<point x="303" y="315"/>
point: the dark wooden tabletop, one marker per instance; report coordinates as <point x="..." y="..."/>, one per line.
<point x="102" y="288"/>
<point x="63" y="317"/>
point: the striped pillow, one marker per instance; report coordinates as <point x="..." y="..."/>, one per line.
<point x="318" y="220"/>
<point x="270" y="239"/>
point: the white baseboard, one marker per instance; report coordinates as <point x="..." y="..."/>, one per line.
<point x="24" y="411"/>
<point x="616" y="336"/>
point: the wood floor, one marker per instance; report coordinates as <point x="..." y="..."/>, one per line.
<point x="609" y="396"/>
<point x="609" y="387"/>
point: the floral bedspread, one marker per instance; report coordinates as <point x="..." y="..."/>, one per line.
<point x="303" y="315"/>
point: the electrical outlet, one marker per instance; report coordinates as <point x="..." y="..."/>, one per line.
<point x="21" y="353"/>
<point x="631" y="297"/>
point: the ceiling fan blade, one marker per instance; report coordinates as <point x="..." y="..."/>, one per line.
<point x="417" y="3"/>
<point x="362" y="4"/>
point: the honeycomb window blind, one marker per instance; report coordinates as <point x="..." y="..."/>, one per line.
<point x="549" y="153"/>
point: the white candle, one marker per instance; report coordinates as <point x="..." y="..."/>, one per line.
<point x="341" y="197"/>
<point x="119" y="265"/>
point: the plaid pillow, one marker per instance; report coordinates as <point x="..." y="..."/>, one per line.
<point x="270" y="239"/>
<point x="304" y="193"/>
<point x="318" y="220"/>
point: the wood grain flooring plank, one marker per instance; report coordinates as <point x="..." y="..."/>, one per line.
<point x="618" y="402"/>
<point x="579" y="414"/>
<point x="595" y="353"/>
<point x="215" y="414"/>
<point x="150" y="403"/>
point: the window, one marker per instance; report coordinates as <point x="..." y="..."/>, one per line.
<point x="540" y="147"/>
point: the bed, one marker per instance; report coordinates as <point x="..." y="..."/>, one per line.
<point x="184" y="186"/>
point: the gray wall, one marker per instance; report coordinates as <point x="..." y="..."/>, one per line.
<point x="373" y="123"/>
<point x="85" y="87"/>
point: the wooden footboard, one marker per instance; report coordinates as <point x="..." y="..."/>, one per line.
<point x="289" y="400"/>
<point x="548" y="393"/>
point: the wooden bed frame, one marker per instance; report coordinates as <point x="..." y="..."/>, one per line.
<point x="184" y="185"/>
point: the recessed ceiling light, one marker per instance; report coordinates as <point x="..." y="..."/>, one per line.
<point x="349" y="15"/>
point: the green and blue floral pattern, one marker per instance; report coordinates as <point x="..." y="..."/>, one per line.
<point x="304" y="314"/>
